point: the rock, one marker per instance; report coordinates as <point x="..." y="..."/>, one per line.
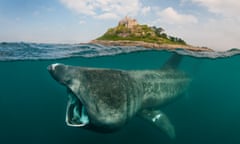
<point x="148" y="45"/>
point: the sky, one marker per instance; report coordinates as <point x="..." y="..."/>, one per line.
<point x="210" y="23"/>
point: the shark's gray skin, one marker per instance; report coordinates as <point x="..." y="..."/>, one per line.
<point x="106" y="99"/>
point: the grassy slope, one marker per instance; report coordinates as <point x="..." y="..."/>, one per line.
<point x="139" y="33"/>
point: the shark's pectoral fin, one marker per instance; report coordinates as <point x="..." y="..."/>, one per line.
<point x="159" y="119"/>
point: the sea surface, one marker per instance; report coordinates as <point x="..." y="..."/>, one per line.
<point x="33" y="105"/>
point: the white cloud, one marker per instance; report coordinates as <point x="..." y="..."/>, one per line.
<point x="106" y="9"/>
<point x="227" y="8"/>
<point x="107" y="16"/>
<point x="146" y="10"/>
<point x="80" y="6"/>
<point x="171" y="16"/>
<point x="82" y="22"/>
<point x="219" y="32"/>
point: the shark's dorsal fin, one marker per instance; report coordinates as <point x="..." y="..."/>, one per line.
<point x="172" y="62"/>
<point x="159" y="119"/>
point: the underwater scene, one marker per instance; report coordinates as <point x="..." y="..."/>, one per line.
<point x="33" y="104"/>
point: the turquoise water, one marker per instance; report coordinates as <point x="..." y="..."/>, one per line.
<point x="32" y="104"/>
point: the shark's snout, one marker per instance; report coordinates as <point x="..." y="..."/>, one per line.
<point x="52" y="67"/>
<point x="57" y="72"/>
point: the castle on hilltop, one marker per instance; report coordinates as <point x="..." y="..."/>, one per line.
<point x="128" y="22"/>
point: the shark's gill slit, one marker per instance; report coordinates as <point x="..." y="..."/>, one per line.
<point x="76" y="114"/>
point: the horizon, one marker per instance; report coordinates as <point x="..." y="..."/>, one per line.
<point x="212" y="24"/>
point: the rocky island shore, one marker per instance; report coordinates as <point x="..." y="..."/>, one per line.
<point x="149" y="45"/>
<point x="130" y="33"/>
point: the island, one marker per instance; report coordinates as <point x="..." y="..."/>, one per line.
<point x="129" y="32"/>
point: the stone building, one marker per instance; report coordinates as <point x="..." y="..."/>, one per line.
<point x="128" y="22"/>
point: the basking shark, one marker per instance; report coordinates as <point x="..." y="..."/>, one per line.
<point x="106" y="99"/>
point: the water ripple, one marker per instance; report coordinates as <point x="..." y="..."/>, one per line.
<point x="35" y="51"/>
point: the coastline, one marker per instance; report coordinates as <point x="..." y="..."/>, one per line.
<point x="150" y="45"/>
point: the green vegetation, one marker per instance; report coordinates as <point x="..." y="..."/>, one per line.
<point x="140" y="33"/>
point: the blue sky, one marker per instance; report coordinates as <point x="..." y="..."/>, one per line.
<point x="212" y="23"/>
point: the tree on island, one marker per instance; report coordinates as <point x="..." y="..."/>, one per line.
<point x="129" y="29"/>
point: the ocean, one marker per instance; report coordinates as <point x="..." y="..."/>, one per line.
<point x="33" y="105"/>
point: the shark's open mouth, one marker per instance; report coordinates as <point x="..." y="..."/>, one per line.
<point x="76" y="114"/>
